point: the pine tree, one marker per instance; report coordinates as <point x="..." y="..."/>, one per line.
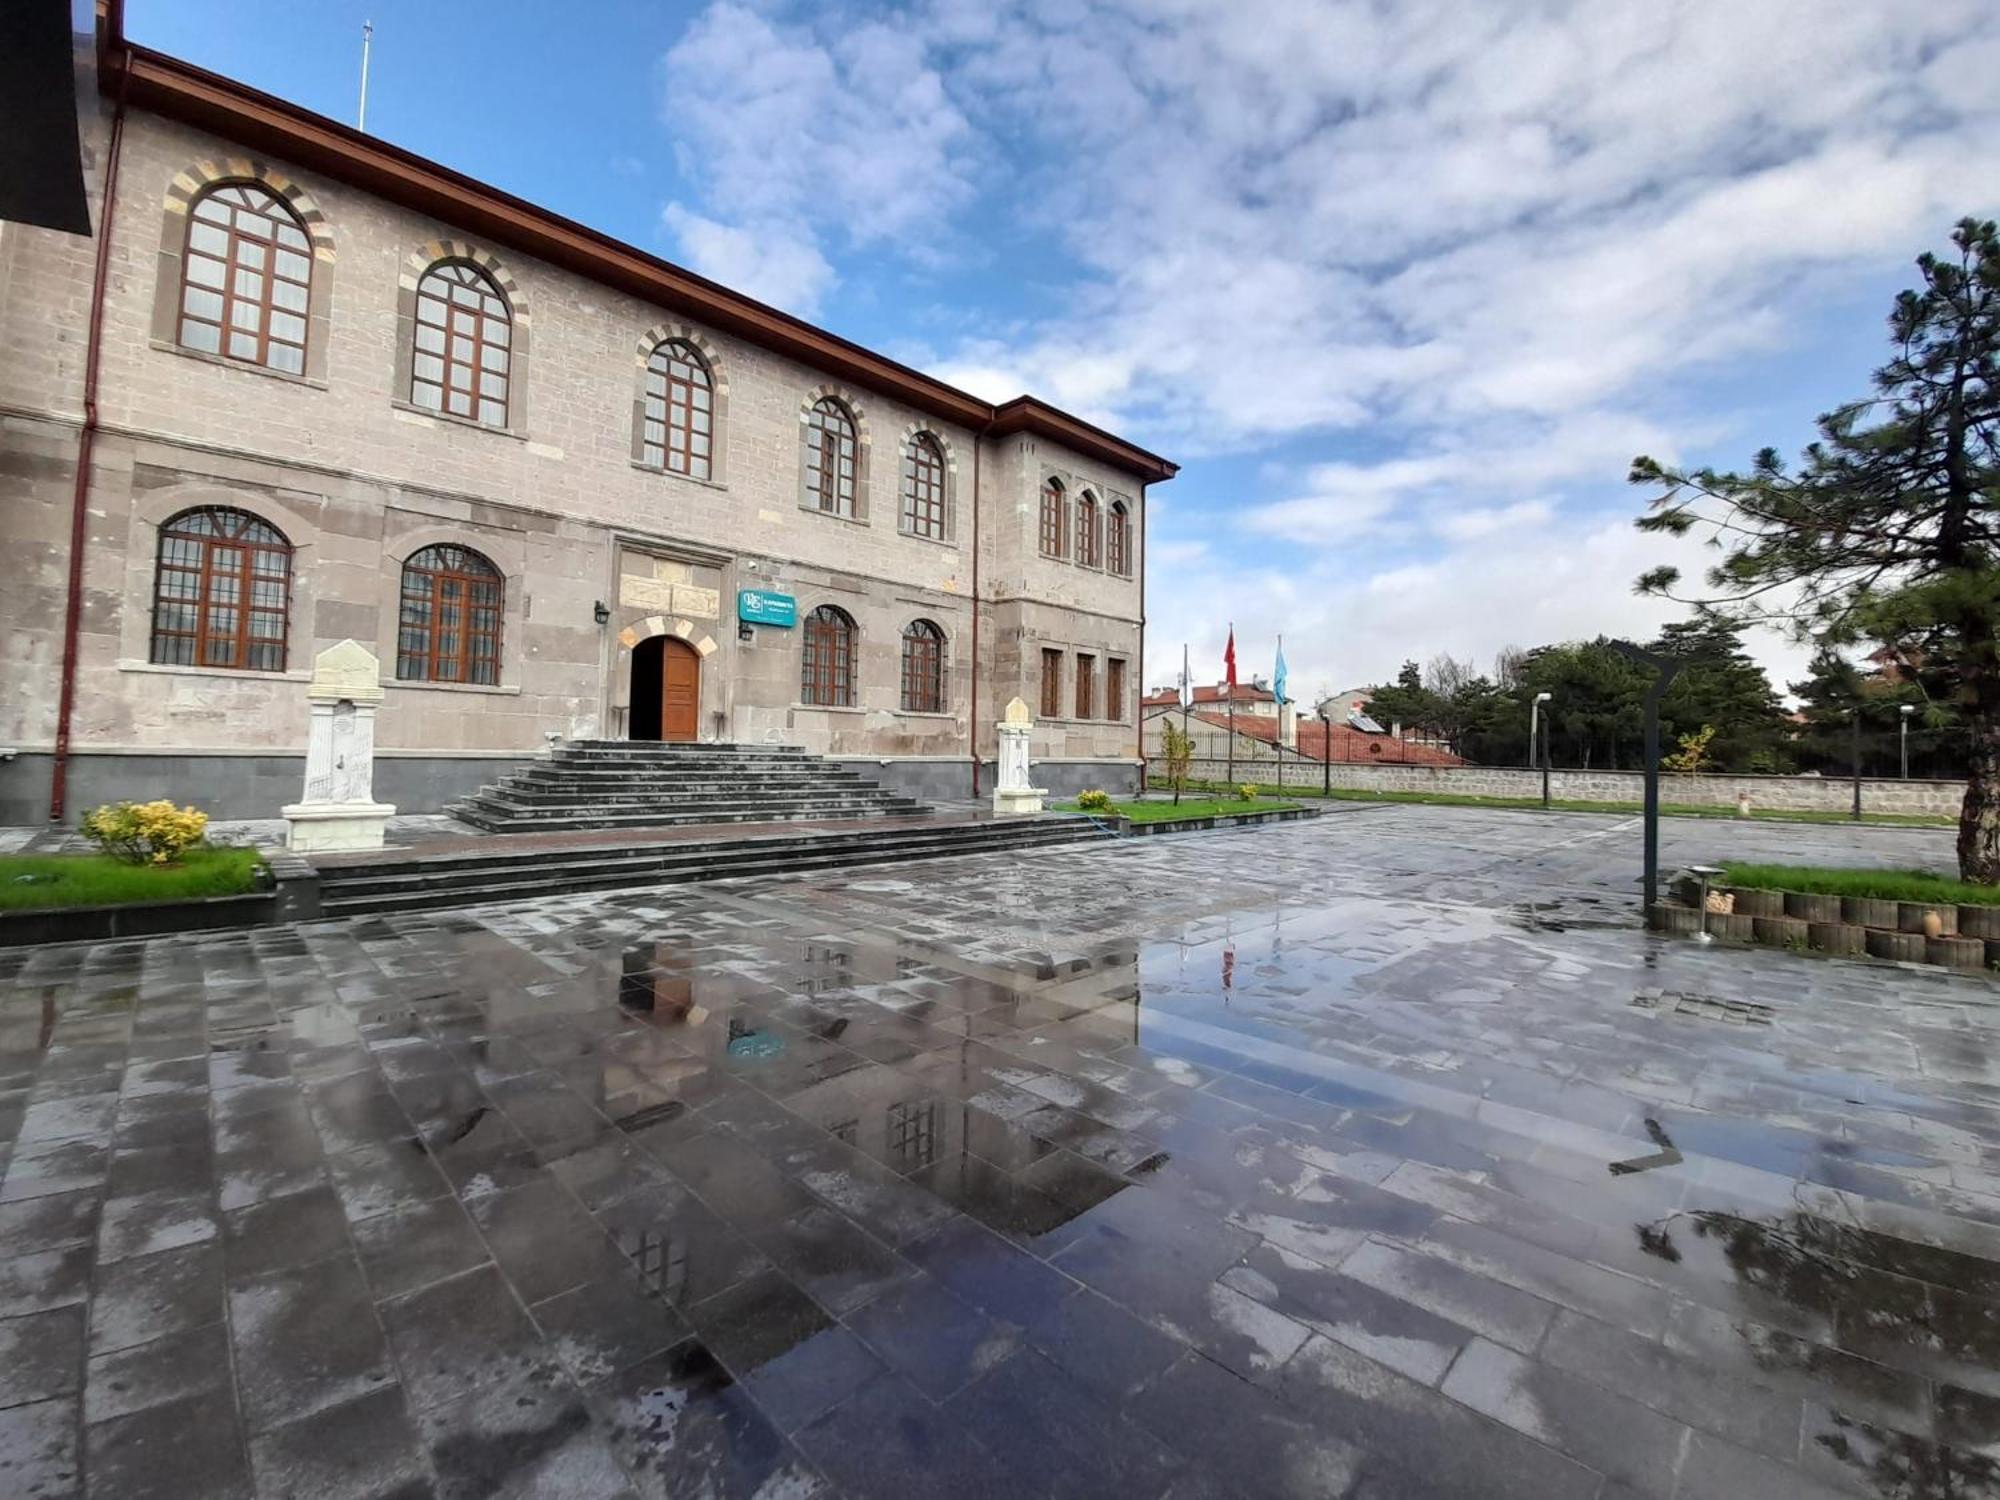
<point x="1886" y="530"/>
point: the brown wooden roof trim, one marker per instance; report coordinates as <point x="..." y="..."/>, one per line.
<point x="262" y="122"/>
<point x="1026" y="414"/>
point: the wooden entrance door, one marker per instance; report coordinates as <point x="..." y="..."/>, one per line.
<point x="680" y="691"/>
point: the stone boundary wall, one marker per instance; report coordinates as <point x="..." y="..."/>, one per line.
<point x="1832" y="794"/>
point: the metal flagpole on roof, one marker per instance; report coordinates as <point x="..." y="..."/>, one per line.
<point x="367" y="36"/>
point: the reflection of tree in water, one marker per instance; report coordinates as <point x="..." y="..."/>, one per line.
<point x="1857" y="1278"/>
<point x="1909" y="1468"/>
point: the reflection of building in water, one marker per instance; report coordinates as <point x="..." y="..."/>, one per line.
<point x="648" y="984"/>
<point x="661" y="1260"/>
<point x="913" y="1134"/>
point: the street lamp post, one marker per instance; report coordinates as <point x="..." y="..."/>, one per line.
<point x="1904" y="713"/>
<point x="1855" y="754"/>
<point x="1535" y="723"/>
<point x="1326" y="753"/>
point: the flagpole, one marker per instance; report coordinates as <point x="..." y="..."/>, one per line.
<point x="1187" y="699"/>
<point x="1229" y="687"/>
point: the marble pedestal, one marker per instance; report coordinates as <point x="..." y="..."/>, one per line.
<point x="1011" y="792"/>
<point x="339" y="810"/>
<point x="319" y="827"/>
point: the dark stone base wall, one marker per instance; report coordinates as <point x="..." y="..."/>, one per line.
<point x="228" y="786"/>
<point x="257" y="786"/>
<point x="950" y="780"/>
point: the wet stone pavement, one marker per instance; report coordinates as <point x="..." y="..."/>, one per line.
<point x="1377" y="1156"/>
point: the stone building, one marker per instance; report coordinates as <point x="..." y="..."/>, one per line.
<point x="560" y="487"/>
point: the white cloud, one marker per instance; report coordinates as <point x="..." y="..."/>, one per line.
<point x="1349" y="622"/>
<point x="792" y="139"/>
<point x="1493" y="520"/>
<point x="770" y="263"/>
<point x="1442" y="268"/>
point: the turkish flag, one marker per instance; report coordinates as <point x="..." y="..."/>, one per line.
<point x="1229" y="660"/>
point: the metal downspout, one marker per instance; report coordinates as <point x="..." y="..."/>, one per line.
<point x="85" y="444"/>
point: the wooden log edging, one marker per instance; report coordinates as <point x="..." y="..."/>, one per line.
<point x="1966" y="938"/>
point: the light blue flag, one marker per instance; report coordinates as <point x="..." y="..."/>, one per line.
<point x="1278" y="675"/>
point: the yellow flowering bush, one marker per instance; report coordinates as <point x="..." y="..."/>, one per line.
<point x="1248" y="791"/>
<point x="145" y="832"/>
<point x="1094" y="800"/>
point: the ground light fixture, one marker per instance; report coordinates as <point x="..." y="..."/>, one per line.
<point x="1706" y="874"/>
<point x="1903" y="746"/>
<point x="1535" y="722"/>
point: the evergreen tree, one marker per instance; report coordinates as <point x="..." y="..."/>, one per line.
<point x="1886" y="530"/>
<point x="1723" y="689"/>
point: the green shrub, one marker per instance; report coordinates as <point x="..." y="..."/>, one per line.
<point x="1094" y="800"/>
<point x="141" y="833"/>
<point x="1247" y="792"/>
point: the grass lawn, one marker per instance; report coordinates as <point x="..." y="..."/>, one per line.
<point x="1191" y="807"/>
<point x="1884" y="885"/>
<point x="100" y="880"/>
<point x="1667" y="809"/>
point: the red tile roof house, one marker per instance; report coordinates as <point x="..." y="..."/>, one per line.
<point x="1251" y="698"/>
<point x="1341" y="743"/>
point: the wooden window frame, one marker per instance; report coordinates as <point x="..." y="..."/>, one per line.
<point x="252" y="267"/>
<point x="1114" y="689"/>
<point x="923" y="668"/>
<point x="823" y="459"/>
<point x="924" y="489"/>
<point x="826" y="670"/>
<point x="426" y="649"/>
<point x="1118" y="539"/>
<point x="677" y="404"/>
<point x="230" y="568"/>
<point x="487" y="329"/>
<point x="1089" y="549"/>
<point x="1054" y="530"/>
<point x="1052" y="661"/>
<point x="1086" y="685"/>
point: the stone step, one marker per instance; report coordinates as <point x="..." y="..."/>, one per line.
<point x="655" y="751"/>
<point x="779" y="806"/>
<point x="627" y="784"/>
<point x="478" y="880"/>
<point x="702" y="783"/>
<point x="576" y="822"/>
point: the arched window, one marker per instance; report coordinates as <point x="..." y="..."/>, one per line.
<point x="828" y="678"/>
<point x="222" y="591"/>
<point x="464" y="332"/>
<point x="1055" y="519"/>
<point x="1118" y="539"/>
<point x="449" y="626"/>
<point x="680" y="411"/>
<point x="830" y="458"/>
<point x="1087" y="551"/>
<point x="923" y="487"/>
<point x="923" y="668"/>
<point x="246" y="278"/>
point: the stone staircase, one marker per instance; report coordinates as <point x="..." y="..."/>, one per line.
<point x="636" y="784"/>
<point x="520" y="870"/>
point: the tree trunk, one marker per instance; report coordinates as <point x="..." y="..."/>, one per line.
<point x="1979" y="816"/>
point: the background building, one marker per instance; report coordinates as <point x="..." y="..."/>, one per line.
<point x="561" y="488"/>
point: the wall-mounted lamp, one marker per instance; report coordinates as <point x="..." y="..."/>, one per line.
<point x="600" y="613"/>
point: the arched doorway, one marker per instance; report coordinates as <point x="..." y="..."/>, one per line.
<point x="666" y="690"/>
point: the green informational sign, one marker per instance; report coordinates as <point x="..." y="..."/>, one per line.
<point x="762" y="607"/>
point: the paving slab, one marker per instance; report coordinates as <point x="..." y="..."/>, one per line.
<point x="1274" y="1162"/>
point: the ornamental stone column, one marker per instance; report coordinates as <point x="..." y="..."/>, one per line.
<point x="1011" y="792"/>
<point x="338" y="809"/>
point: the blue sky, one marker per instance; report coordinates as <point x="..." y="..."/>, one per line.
<point x="1402" y="287"/>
